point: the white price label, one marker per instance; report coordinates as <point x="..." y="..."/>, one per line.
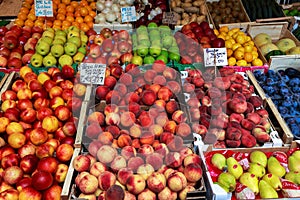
<point x="215" y="56"/>
<point x="187" y="96"/>
<point x="43" y="8"/>
<point x="170" y="18"/>
<point x="184" y="74"/>
<point x="92" y="73"/>
<point x="128" y="14"/>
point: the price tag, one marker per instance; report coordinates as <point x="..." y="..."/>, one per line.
<point x="128" y="14"/>
<point x="43" y="8"/>
<point x="187" y="96"/>
<point x="184" y="74"/>
<point x="92" y="73"/>
<point x="210" y="54"/>
<point x="170" y="18"/>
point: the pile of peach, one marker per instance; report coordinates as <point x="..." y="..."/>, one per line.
<point x="225" y="109"/>
<point x="38" y="127"/>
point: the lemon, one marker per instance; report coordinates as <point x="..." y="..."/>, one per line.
<point x="216" y="32"/>
<point x="234" y="30"/>
<point x="235" y="46"/>
<point x="248" y="48"/>
<point x="257" y="62"/>
<point x="221" y="36"/>
<point x="232" y="40"/>
<point x="224" y="29"/>
<point x="241" y="49"/>
<point x="228" y="44"/>
<point x="242" y="63"/>
<point x="254" y="54"/>
<point x="248" y="38"/>
<point x="231" y="61"/>
<point x="239" y="55"/>
<point x="249" y="43"/>
<point x="229" y="52"/>
<point x="240" y="39"/>
<point x="248" y="57"/>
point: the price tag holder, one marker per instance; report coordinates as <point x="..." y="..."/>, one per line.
<point x="215" y="57"/>
<point x="92" y="73"/>
<point x="128" y="14"/>
<point x="43" y="8"/>
<point x="170" y="18"/>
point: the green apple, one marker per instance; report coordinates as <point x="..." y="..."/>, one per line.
<point x="60" y="32"/>
<point x="148" y="59"/>
<point x="152" y="25"/>
<point x="145" y="42"/>
<point x="73" y="34"/>
<point x="50" y="29"/>
<point x="65" y="60"/>
<point x="49" y="60"/>
<point x="165" y="28"/>
<point x="155" y="50"/>
<point x="73" y="28"/>
<point x="47" y="39"/>
<point x="70" y="48"/>
<point x="154" y="33"/>
<point x="134" y="39"/>
<point x="156" y="42"/>
<point x="63" y="38"/>
<point x="143" y="36"/>
<point x="142" y="29"/>
<point x="163" y="58"/>
<point x="82" y="49"/>
<point x="164" y="52"/>
<point x="42" y="48"/>
<point x="76" y="40"/>
<point x="58" y="41"/>
<point x="137" y="60"/>
<point x="167" y="41"/>
<point x="78" y="57"/>
<point x="57" y="50"/>
<point x="36" y="60"/>
<point x="48" y="33"/>
<point x="174" y="56"/>
<point x="84" y="38"/>
<point x="174" y="49"/>
<point x="142" y="50"/>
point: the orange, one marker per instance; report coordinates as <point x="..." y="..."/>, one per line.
<point x="93" y="13"/>
<point x="67" y="2"/>
<point x="70" y="8"/>
<point x="83" y="3"/>
<point x="61" y="11"/>
<point x="84" y="11"/>
<point x="231" y="61"/>
<point x="76" y="24"/>
<point x="29" y="1"/>
<point x="49" y="23"/>
<point x="29" y="23"/>
<point x="254" y="54"/>
<point x="57" y="22"/>
<point x="64" y="27"/>
<point x="248" y="57"/>
<point x="77" y="13"/>
<point x="90" y="24"/>
<point x="70" y="18"/>
<point x="89" y="8"/>
<point x="84" y="27"/>
<point x="70" y="14"/>
<point x="254" y="48"/>
<point x="79" y="20"/>
<point x="238" y="54"/>
<point x="24" y="10"/>
<point x="22" y="16"/>
<point x="56" y="2"/>
<point x="19" y="22"/>
<point x="88" y="18"/>
<point x="62" y="5"/>
<point x="66" y="23"/>
<point x="60" y="17"/>
<point x="229" y="52"/>
<point x="26" y="5"/>
<point x="93" y="5"/>
<point x="39" y="23"/>
<point x="257" y="62"/>
<point x="241" y="63"/>
<point x="31" y="16"/>
<point x="74" y="4"/>
<point x="56" y="27"/>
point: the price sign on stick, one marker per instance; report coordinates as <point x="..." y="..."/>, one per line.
<point x="215" y="57"/>
<point x="128" y="14"/>
<point x="43" y="8"/>
<point x="92" y="73"/>
<point x="170" y="18"/>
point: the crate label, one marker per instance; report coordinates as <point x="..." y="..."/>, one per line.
<point x="92" y="73"/>
<point x="276" y="139"/>
<point x="184" y="74"/>
<point x="170" y="18"/>
<point x="128" y="14"/>
<point x="215" y="57"/>
<point x="43" y="8"/>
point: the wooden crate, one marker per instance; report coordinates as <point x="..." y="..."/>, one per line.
<point x="8" y="82"/>
<point x="3" y="80"/>
<point x="99" y="27"/>
<point x="10" y="8"/>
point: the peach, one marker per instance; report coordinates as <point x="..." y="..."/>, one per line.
<point x="247" y="124"/>
<point x="156" y="182"/>
<point x="177" y="181"/>
<point x="127" y="119"/>
<point x="9" y="194"/>
<point x="106" y="180"/>
<point x="145" y="150"/>
<point x="145" y="119"/>
<point x="9" y="94"/>
<point x="93" y="130"/>
<point x="183" y="130"/>
<point x="263" y="113"/>
<point x="145" y="170"/>
<point x="13" y="114"/>
<point x="136" y="143"/>
<point x="148" y="97"/>
<point x="172" y="106"/>
<point x="44" y="150"/>
<point x="81" y="163"/>
<point x="179" y="116"/>
<point x="12" y="175"/>
<point x="57" y="101"/>
<point x="29" y="193"/>
<point x="161" y="119"/>
<point x="192" y="158"/>
<point x="24" y="93"/>
<point x="193" y="172"/>
<point x="134" y="163"/>
<point x="128" y="152"/>
<point x="105" y="137"/>
<point x="121" y="89"/>
<point x="183" y="193"/>
<point x="114" y="130"/>
<point x="96" y="117"/>
<point x="248" y="140"/>
<point x="94" y="146"/>
<point x="147" y="194"/>
<point x="50" y="123"/>
<point x="112" y="119"/>
<point x="185" y="151"/>
<point x="38" y="136"/>
<point x="64" y="152"/>
<point x="87" y="196"/>
<point x="135" y="184"/>
<point x="26" y="149"/>
<point x="129" y="196"/>
<point x="174" y="86"/>
<point x="123" y="175"/>
<point x="155" y="159"/>
<point x="134" y="107"/>
<point x="124" y="140"/>
<point x="164" y="93"/>
<point x="170" y="73"/>
<point x="6" y="104"/>
<point x="115" y="192"/>
<point x="61" y="173"/>
<point x="170" y="126"/>
<point x="10" y="160"/>
<point x="149" y="75"/>
<point x="53" y="192"/>
<point x="97" y="168"/>
<point x="199" y="128"/>
<point x="154" y="87"/>
<point x="254" y="117"/>
<point x="79" y="177"/>
<point x="118" y="163"/>
<point x="165" y="137"/>
<point x="4" y="121"/>
<point x="14" y="127"/>
<point x="161" y="149"/>
<point x="106" y="154"/>
<point x="156" y="130"/>
<point x="175" y="143"/>
<point x="88" y="184"/>
<point x="159" y="79"/>
<point x="173" y="159"/>
<point x="110" y="82"/>
<point x="167" y="194"/>
<point x="16" y="140"/>
<point x="147" y="138"/>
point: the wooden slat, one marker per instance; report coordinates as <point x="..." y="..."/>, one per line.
<point x="81" y="124"/>
<point x="10" y="8"/>
<point x="2" y="82"/>
<point x="8" y="82"/>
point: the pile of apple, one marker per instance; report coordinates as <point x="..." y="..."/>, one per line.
<point x="109" y="47"/>
<point x="147" y="124"/>
<point x="13" y="46"/>
<point x="154" y="42"/>
<point x="38" y="126"/>
<point x="225" y="109"/>
<point x="59" y="47"/>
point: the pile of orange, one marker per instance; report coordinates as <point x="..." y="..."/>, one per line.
<point x="66" y="13"/>
<point x="240" y="47"/>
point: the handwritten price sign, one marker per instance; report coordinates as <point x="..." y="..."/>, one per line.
<point x="43" y="8"/>
<point x="92" y="73"/>
<point x="128" y="14"/>
<point x="215" y="56"/>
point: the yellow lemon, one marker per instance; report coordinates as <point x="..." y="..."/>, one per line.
<point x="248" y="57"/>
<point x="257" y="62"/>
<point x="249" y="43"/>
<point x="228" y="44"/>
<point x="231" y="40"/>
<point x="242" y="63"/>
<point x="229" y="52"/>
<point x="227" y="37"/>
<point x="235" y="46"/>
<point x="239" y="55"/>
<point x="224" y="29"/>
<point x="231" y="61"/>
<point x="241" y="49"/>
<point x="221" y="36"/>
<point x="234" y="30"/>
<point x="216" y="32"/>
<point x="248" y="48"/>
<point x="254" y="54"/>
<point x="240" y="39"/>
<point x="248" y="38"/>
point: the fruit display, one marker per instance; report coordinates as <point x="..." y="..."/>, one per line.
<point x="225" y="110"/>
<point x="282" y="87"/>
<point x="226" y="11"/>
<point x="241" y="50"/>
<point x="189" y="11"/>
<point x="256" y="174"/>
<point x="152" y="43"/>
<point x="58" y="47"/>
<point x="110" y="11"/>
<point x="39" y="116"/>
<point x="262" y="9"/>
<point x="296" y="32"/>
<point x="291" y="12"/>
<point x="66" y="13"/>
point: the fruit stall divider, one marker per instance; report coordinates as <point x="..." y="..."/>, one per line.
<point x="215" y="190"/>
<point x="8" y="82"/>
<point x="276" y="30"/>
<point x="243" y="10"/>
<point x="275" y="118"/>
<point x="13" y="11"/>
<point x="3" y="80"/>
<point x="99" y="27"/>
<point x="282" y="62"/>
